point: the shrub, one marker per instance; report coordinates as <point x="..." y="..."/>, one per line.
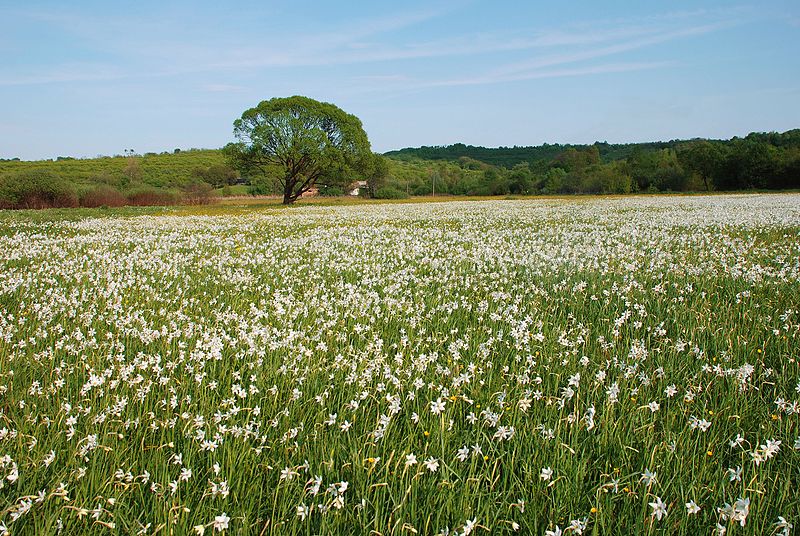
<point x="149" y="197"/>
<point x="103" y="196"/>
<point x="390" y="192"/>
<point x="260" y="185"/>
<point x="330" y="191"/>
<point x="198" y="193"/>
<point x="36" y="189"/>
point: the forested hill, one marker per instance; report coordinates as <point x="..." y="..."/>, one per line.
<point x="508" y="157"/>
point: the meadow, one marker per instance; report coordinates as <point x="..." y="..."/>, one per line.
<point x="547" y="366"/>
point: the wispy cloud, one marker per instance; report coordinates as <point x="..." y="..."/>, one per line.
<point x="371" y="41"/>
<point x="542" y="66"/>
<point x="616" y="48"/>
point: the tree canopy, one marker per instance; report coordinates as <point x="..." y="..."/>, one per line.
<point x="308" y="142"/>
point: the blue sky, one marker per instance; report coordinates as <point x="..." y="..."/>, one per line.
<point x="97" y="77"/>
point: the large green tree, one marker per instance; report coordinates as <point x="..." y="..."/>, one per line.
<point x="307" y="141"/>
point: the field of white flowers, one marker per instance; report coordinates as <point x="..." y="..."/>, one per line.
<point x="548" y="367"/>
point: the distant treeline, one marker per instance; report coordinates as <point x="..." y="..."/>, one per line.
<point x="765" y="161"/>
<point x="758" y="161"/>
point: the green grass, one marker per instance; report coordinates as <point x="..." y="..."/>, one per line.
<point x="155" y="330"/>
<point x="165" y="170"/>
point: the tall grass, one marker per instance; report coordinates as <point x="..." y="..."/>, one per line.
<point x="532" y="367"/>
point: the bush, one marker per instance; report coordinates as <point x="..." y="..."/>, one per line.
<point x="330" y="191"/>
<point x="390" y="192"/>
<point x="150" y="197"/>
<point x="198" y="193"/>
<point x="36" y="189"/>
<point x="103" y="196"/>
<point x="260" y="185"/>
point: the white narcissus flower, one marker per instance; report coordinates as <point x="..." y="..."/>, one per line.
<point x="555" y="532"/>
<point x="432" y="464"/>
<point x="469" y="526"/>
<point x="437" y="406"/>
<point x="648" y="477"/>
<point x="546" y="474"/>
<point x="221" y="522"/>
<point x="783" y="526"/>
<point x="659" y="508"/>
<point x="692" y="508"/>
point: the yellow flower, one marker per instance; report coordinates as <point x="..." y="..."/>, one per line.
<point x="426" y="433"/>
<point x="709" y="453"/>
<point x="593" y="510"/>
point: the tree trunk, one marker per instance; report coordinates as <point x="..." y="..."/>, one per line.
<point x="288" y="191"/>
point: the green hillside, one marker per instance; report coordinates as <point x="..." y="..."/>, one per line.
<point x="163" y="170"/>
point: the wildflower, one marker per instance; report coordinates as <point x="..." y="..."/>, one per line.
<point x="411" y="459"/>
<point x="659" y="508"/>
<point x="437" y="406"/>
<point x="735" y="474"/>
<point x="555" y="532"/>
<point x="577" y="526"/>
<point x="302" y="512"/>
<point x="738" y="512"/>
<point x="432" y="464"/>
<point x="221" y="522"/>
<point x="648" y="477"/>
<point x="696" y="423"/>
<point x="782" y="526"/>
<point x="315" y="484"/>
<point x="692" y="508"/>
<point x="287" y="473"/>
<point x="469" y="526"/>
<point x="546" y="473"/>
